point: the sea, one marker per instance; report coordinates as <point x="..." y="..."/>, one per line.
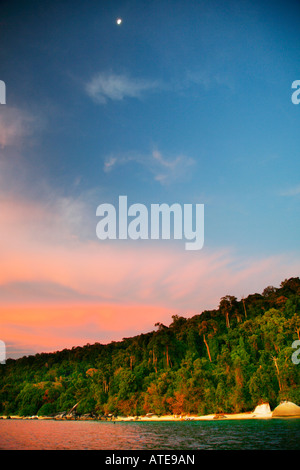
<point x="260" y="434"/>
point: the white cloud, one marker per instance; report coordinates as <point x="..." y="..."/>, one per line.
<point x="104" y="86"/>
<point x="170" y="164"/>
<point x="164" y="170"/>
<point x="169" y="170"/>
<point x="109" y="163"/>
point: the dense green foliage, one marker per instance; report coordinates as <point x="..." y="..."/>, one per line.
<point x="224" y="360"/>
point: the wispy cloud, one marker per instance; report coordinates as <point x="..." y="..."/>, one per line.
<point x="106" y="86"/>
<point x="169" y="170"/>
<point x="59" y="289"/>
<point x="164" y="170"/>
<point x="109" y="86"/>
<point x="293" y="191"/>
<point x="15" y="126"/>
<point x="208" y="79"/>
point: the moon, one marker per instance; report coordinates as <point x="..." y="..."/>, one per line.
<point x="119" y="21"/>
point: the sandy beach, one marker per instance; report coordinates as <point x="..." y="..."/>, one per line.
<point x="263" y="411"/>
<point x="248" y="415"/>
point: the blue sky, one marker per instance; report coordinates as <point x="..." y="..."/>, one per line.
<point x="185" y="102"/>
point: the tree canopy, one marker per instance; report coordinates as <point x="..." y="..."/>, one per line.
<point x="224" y="360"/>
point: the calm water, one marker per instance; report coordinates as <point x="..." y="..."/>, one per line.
<point x="255" y="434"/>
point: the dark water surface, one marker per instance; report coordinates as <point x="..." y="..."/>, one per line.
<point x="281" y="434"/>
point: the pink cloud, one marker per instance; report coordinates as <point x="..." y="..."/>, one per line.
<point x="58" y="290"/>
<point x="44" y="328"/>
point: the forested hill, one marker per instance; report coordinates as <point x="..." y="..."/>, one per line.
<point x="224" y="360"/>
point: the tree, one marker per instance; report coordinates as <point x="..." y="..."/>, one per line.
<point x="47" y="409"/>
<point x="202" y="364"/>
<point x="226" y="306"/>
<point x="30" y="399"/>
<point x="294" y="324"/>
<point x="208" y="328"/>
<point x="245" y="311"/>
<point x="269" y="291"/>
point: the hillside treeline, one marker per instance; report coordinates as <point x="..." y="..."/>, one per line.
<point x="224" y="360"/>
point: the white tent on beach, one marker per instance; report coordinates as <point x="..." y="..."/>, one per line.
<point x="263" y="411"/>
<point x="287" y="409"/>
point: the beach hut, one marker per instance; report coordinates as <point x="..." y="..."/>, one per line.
<point x="286" y="409"/>
<point x="263" y="410"/>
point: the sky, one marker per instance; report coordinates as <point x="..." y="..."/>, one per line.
<point x="183" y="102"/>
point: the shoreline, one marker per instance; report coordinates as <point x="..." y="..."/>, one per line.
<point x="286" y="409"/>
<point x="163" y="418"/>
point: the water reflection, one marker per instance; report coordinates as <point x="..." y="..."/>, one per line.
<point x="254" y="434"/>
